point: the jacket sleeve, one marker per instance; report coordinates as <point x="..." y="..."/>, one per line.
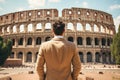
<point x="76" y="65"/>
<point x="40" y="64"/>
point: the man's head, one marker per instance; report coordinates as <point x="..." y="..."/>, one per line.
<point x="58" y="28"/>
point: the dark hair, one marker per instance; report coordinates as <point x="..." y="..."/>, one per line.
<point x="58" y="27"/>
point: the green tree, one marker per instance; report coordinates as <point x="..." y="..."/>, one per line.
<point x="5" y="50"/>
<point x="115" y="47"/>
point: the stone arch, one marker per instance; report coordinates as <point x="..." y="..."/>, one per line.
<point x="47" y="38"/>
<point x="22" y="28"/>
<point x="96" y="28"/>
<point x="30" y="27"/>
<point x="88" y="27"/>
<point x="20" y="42"/>
<point x="39" y="27"/>
<point x="88" y="41"/>
<point x="108" y="41"/>
<point x="79" y="41"/>
<point x="97" y="57"/>
<point x="103" y="41"/>
<point x="104" y="57"/>
<point x="14" y="29"/>
<point x="109" y="57"/>
<point x="102" y="29"/>
<point x="12" y="55"/>
<point x="70" y="26"/>
<point x="8" y="29"/>
<point x="79" y="27"/>
<point x="70" y="39"/>
<point x="29" y="57"/>
<point x="38" y="41"/>
<point x="48" y="27"/>
<point x="96" y="41"/>
<point x="81" y="56"/>
<point x="36" y="55"/>
<point x="13" y="42"/>
<point x="29" y="41"/>
<point x="89" y="57"/>
<point x="20" y="55"/>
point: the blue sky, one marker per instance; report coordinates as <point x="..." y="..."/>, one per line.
<point x="109" y="6"/>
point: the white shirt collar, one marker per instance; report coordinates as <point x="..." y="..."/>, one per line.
<point x="58" y="37"/>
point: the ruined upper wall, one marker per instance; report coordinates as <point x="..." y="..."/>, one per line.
<point x="84" y="14"/>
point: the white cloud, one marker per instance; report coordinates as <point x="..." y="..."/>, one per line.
<point x="1" y="9"/>
<point x="54" y="0"/>
<point x="2" y="0"/>
<point x="20" y="9"/>
<point x="117" y="22"/>
<point x="116" y="6"/>
<point x="85" y="4"/>
<point x="36" y="3"/>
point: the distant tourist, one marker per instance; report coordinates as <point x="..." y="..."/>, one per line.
<point x="58" y="54"/>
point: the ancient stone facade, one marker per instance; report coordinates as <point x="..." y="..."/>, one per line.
<point x="91" y="31"/>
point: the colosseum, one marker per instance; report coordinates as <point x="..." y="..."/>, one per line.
<point x="91" y="30"/>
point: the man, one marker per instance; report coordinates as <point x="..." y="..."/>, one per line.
<point x="58" y="54"/>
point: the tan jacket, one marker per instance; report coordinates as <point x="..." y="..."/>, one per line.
<point x="58" y="54"/>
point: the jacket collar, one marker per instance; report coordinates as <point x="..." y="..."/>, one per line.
<point x="58" y="39"/>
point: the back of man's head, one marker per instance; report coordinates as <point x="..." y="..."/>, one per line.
<point x="58" y="28"/>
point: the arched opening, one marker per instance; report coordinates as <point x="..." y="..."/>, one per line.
<point x="102" y="29"/>
<point x="20" y="42"/>
<point x="36" y="55"/>
<point x="29" y="57"/>
<point x="96" y="29"/>
<point x="97" y="57"/>
<point x="20" y="55"/>
<point x="29" y="42"/>
<point x="79" y="27"/>
<point x="96" y="41"/>
<point x="104" y="57"/>
<point x="81" y="56"/>
<point x="30" y="27"/>
<point x="22" y="28"/>
<point x="38" y="41"/>
<point x="108" y="42"/>
<point x="70" y="39"/>
<point x="13" y="42"/>
<point x="79" y="41"/>
<point x="109" y="57"/>
<point x="8" y="29"/>
<point x="88" y="27"/>
<point x="89" y="57"/>
<point x="12" y="55"/>
<point x="70" y="27"/>
<point x="103" y="41"/>
<point x="14" y="29"/>
<point x="88" y="41"/>
<point x="48" y="27"/>
<point x="47" y="38"/>
<point x="39" y="27"/>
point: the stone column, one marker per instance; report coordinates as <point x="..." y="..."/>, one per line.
<point x="93" y="55"/>
<point x="85" y="57"/>
<point x="5" y="30"/>
<point x="34" y="27"/>
<point x="33" y="57"/>
<point x="34" y="41"/>
<point x="93" y="42"/>
<point x="43" y="26"/>
<point x="24" y="57"/>
<point x="92" y="27"/>
<point x="84" y="41"/>
<point x="75" y="26"/>
<point x="84" y="27"/>
<point x="11" y="29"/>
<point x="24" y="41"/>
<point x="16" y="42"/>
<point x="26" y="28"/>
<point x="18" y="28"/>
<point x="15" y="55"/>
